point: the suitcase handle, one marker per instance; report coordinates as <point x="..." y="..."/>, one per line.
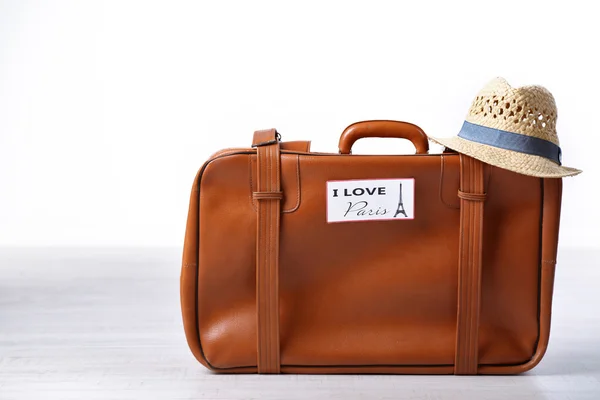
<point x="383" y="129"/>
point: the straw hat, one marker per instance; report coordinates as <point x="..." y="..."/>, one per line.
<point x="512" y="128"/>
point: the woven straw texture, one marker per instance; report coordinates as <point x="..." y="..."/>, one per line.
<point x="529" y="111"/>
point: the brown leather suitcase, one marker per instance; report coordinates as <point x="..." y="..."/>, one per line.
<point x="301" y="262"/>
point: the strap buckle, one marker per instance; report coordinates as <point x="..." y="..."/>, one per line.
<point x="269" y="142"/>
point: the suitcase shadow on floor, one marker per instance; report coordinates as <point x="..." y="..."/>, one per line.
<point x="583" y="360"/>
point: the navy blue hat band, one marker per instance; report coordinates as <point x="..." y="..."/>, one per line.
<point x="511" y="141"/>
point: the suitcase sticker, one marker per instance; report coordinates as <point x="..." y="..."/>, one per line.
<point x="370" y="200"/>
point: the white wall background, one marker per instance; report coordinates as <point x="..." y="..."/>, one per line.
<point x="107" y="109"/>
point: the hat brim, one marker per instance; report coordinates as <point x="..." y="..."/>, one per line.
<point x="521" y="163"/>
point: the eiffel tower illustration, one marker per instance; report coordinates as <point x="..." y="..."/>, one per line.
<point x="400" y="209"/>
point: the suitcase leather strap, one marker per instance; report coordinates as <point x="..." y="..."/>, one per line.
<point x="472" y="197"/>
<point x="268" y="198"/>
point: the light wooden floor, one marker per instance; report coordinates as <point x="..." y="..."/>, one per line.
<point x="105" y="324"/>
